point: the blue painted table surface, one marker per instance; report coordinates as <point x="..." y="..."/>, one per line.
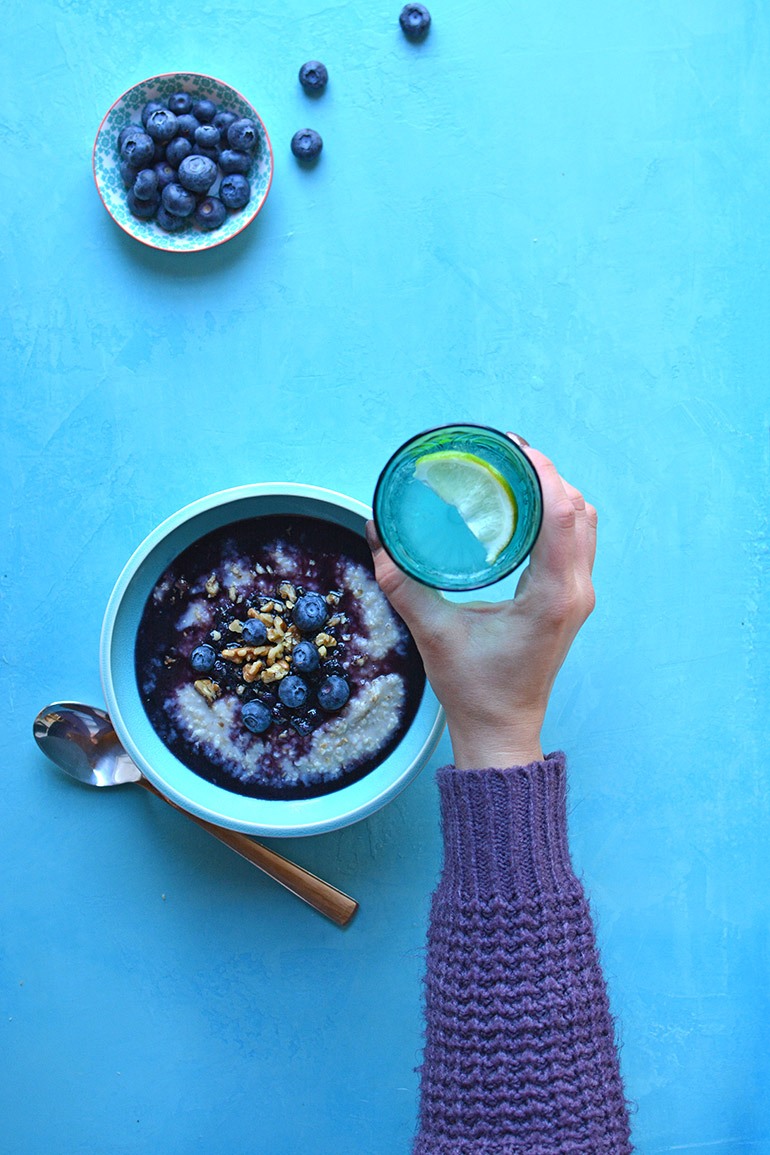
<point x="552" y="218"/>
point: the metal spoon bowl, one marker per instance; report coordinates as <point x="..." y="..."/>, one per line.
<point x="81" y="740"/>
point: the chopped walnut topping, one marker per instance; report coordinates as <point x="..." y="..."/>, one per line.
<point x="252" y="671"/>
<point x="332" y="599"/>
<point x="240" y="654"/>
<point x="288" y="592"/>
<point x="232" y="593"/>
<point x="324" y="639"/>
<point x="216" y="635"/>
<point x="276" y="672"/>
<point x="235" y="626"/>
<point x="212" y="586"/>
<point x="274" y="654"/>
<point x="359" y="661"/>
<point x="208" y="690"/>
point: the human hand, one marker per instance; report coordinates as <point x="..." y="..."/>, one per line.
<point x="492" y="665"/>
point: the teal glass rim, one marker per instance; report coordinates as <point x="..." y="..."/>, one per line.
<point x="525" y="535"/>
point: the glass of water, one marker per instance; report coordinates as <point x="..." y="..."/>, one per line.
<point x="423" y="498"/>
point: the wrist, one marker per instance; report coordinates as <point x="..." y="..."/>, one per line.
<point x="499" y="747"/>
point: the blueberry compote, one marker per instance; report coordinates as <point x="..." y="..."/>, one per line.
<point x="215" y="659"/>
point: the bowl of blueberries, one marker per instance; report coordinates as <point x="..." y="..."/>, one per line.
<point x="182" y="162"/>
<point x="254" y="670"/>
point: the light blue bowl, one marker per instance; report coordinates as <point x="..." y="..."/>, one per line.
<point x="265" y="817"/>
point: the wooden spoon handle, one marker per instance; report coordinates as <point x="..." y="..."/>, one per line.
<point x="321" y="895"/>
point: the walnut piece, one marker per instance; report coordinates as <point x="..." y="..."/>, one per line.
<point x="208" y="690"/>
<point x="212" y="586"/>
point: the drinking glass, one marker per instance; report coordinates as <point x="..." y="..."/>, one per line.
<point x="427" y="537"/>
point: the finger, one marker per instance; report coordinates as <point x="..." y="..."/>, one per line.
<point x="555" y="549"/>
<point x="417" y="604"/>
<point x="584" y="556"/>
<point x="591" y="519"/>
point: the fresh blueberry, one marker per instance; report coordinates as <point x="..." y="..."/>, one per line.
<point x="149" y="108"/>
<point x="197" y="173"/>
<point x="207" y="136"/>
<point x="177" y="150"/>
<point x="333" y="693"/>
<point x="144" y="209"/>
<point x="170" y="223"/>
<point x="180" y="103"/>
<point x="414" y="21"/>
<point x="186" y="126"/>
<point x="146" y="184"/>
<point x="205" y="111"/>
<point x="137" y="148"/>
<point x="305" y="658"/>
<point x="292" y="691"/>
<point x="128" y="173"/>
<point x="202" y="658"/>
<point x="310" y="613"/>
<point x="178" y="200"/>
<point x="256" y="716"/>
<point x="223" y="120"/>
<point x="234" y="191"/>
<point x="254" y="632"/>
<point x="124" y="133"/>
<point x="210" y="214"/>
<point x="230" y="160"/>
<point x="242" y="135"/>
<point x="313" y="76"/>
<point x="166" y="174"/>
<point x="161" y="125"/>
<point x="306" y="144"/>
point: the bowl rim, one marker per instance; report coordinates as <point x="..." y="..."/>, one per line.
<point x="123" y="730"/>
<point x="155" y="243"/>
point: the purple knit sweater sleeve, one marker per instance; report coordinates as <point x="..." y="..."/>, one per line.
<point x="520" y="1056"/>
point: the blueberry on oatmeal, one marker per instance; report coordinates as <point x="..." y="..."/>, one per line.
<point x="293" y="692"/>
<point x="202" y="659"/>
<point x="256" y="716"/>
<point x="305" y="658"/>
<point x="333" y="693"/>
<point x="254" y="632"/>
<point x="310" y="613"/>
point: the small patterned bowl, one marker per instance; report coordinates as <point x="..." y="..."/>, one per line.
<point x="127" y="110"/>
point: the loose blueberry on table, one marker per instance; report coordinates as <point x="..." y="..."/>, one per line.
<point x="306" y="144"/>
<point x="415" y="21"/>
<point x="313" y="76"/>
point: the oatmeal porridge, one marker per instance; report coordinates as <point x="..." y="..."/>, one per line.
<point x="270" y="663"/>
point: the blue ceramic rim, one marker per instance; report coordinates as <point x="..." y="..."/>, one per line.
<point x="267" y="818"/>
<point x="515" y="563"/>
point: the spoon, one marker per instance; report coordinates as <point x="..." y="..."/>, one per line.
<point x="81" y="740"/>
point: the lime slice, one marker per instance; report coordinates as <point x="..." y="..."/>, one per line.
<point x="479" y="493"/>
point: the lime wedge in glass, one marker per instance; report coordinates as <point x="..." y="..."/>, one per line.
<point x="479" y="493"/>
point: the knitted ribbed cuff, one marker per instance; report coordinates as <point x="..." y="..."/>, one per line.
<point x="505" y="830"/>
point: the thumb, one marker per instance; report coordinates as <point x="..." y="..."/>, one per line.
<point x="421" y="607"/>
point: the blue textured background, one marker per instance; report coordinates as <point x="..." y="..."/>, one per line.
<point x="550" y="217"/>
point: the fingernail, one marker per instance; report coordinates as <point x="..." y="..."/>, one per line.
<point x="372" y="537"/>
<point x="519" y="440"/>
